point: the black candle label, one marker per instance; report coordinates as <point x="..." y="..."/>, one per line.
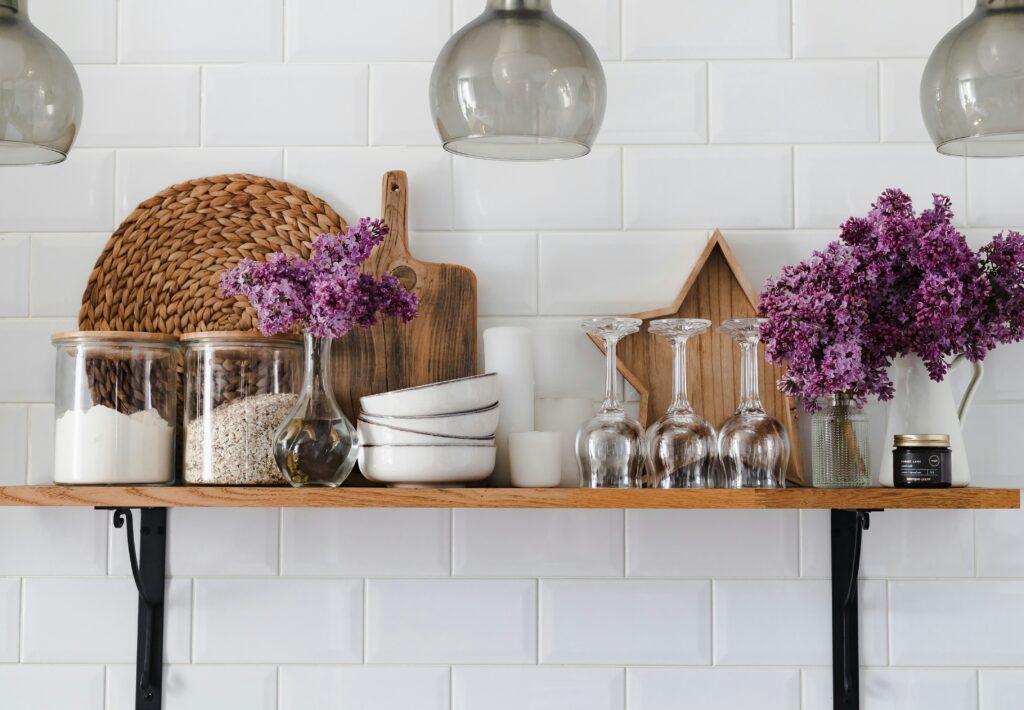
<point x="922" y="468"/>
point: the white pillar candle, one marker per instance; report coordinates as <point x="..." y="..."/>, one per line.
<point x="535" y="458"/>
<point x="509" y="352"/>
<point x="565" y="416"/>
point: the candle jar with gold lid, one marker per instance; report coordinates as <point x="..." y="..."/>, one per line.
<point x="922" y="461"/>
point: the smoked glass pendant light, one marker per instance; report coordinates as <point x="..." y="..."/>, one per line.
<point x="972" y="91"/>
<point x="518" y="83"/>
<point x="40" y="95"/>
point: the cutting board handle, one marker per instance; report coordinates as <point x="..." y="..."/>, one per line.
<point x="395" y="202"/>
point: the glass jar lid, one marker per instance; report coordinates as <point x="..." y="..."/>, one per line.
<point x="240" y="337"/>
<point x="114" y="336"/>
<point x="931" y="441"/>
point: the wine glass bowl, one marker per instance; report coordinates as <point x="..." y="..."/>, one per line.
<point x="752" y="445"/>
<point x="610" y="446"/>
<point x="681" y="445"/>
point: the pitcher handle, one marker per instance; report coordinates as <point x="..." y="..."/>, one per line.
<point x="977" y="370"/>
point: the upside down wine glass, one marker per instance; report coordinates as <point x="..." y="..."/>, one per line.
<point x="753" y="446"/>
<point x="681" y="446"/>
<point x="609" y="447"/>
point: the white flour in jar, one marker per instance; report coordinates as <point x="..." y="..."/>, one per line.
<point x="102" y="445"/>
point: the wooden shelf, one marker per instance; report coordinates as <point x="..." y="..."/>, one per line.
<point x="241" y="497"/>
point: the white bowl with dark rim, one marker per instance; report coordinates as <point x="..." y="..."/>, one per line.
<point x="441" y="466"/>
<point x="380" y="435"/>
<point x="474" y="424"/>
<point x="450" y="397"/>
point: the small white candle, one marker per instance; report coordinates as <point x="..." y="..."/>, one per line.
<point x="536" y="458"/>
<point x="566" y="416"/>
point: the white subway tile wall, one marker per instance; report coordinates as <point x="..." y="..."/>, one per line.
<point x="773" y="120"/>
<point x="353" y="687"/>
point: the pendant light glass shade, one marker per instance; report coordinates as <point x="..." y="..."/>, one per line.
<point x="518" y="83"/>
<point x="972" y="91"/>
<point x="40" y="95"/>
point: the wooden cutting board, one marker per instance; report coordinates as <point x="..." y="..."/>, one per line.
<point x="440" y="344"/>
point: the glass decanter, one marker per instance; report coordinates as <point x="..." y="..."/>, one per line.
<point x="681" y="447"/>
<point x="753" y="446"/>
<point x="609" y="447"/>
<point x="316" y="445"/>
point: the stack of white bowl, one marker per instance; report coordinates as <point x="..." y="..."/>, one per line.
<point x="437" y="435"/>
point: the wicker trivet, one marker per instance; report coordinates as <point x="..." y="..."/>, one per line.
<point x="159" y="272"/>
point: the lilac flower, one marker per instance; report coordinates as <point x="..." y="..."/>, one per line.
<point x="895" y="283"/>
<point x="327" y="295"/>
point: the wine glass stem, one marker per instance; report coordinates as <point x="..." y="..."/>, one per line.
<point x="611" y="377"/>
<point x="750" y="398"/>
<point x="680" y="402"/>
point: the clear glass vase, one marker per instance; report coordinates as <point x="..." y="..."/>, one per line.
<point x="839" y="439"/>
<point x="316" y="445"/>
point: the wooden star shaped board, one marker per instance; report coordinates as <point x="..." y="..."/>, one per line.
<point x="716" y="289"/>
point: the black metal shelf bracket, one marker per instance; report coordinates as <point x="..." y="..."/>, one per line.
<point x="848" y="528"/>
<point x="149" y="571"/>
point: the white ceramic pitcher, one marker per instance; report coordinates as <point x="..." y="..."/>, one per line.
<point x="923" y="406"/>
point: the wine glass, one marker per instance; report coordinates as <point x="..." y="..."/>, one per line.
<point x="753" y="446"/>
<point x="609" y="447"/>
<point x="681" y="447"/>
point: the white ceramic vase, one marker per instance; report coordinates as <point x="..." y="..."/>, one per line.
<point x="923" y="406"/>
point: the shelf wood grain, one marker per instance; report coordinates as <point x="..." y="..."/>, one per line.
<point x="241" y="497"/>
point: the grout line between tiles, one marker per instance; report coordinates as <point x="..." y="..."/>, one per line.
<point x="711" y="622"/>
<point x="22" y="599"/>
<point x="117" y="31"/>
<point x="792" y="29"/>
<point x="451" y="542"/>
<point x="536" y="621"/>
<point x="202" y="106"/>
<point x="799" y="543"/>
<point x="974" y="540"/>
<point x="625" y="542"/>
<point x="194" y="624"/>
<point x="370" y="75"/>
<point x="707" y="103"/>
<point x="366" y="619"/>
<point x="879" y="113"/>
<point x="625" y="688"/>
<point x="284" y="31"/>
<point x="277" y="676"/>
<point x="280" y="542"/>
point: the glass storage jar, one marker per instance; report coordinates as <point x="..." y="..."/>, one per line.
<point x="115" y="405"/>
<point x="239" y="387"/>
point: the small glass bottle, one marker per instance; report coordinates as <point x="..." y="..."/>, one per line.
<point x="840" y="449"/>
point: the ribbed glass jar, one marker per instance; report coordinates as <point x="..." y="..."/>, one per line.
<point x="841" y="455"/>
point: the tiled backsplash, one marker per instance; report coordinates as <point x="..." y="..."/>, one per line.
<point x="772" y="119"/>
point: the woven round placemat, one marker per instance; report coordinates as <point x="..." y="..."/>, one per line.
<point x="160" y="271"/>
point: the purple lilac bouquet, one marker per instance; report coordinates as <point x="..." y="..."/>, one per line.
<point x="895" y="283"/>
<point x="327" y="294"/>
